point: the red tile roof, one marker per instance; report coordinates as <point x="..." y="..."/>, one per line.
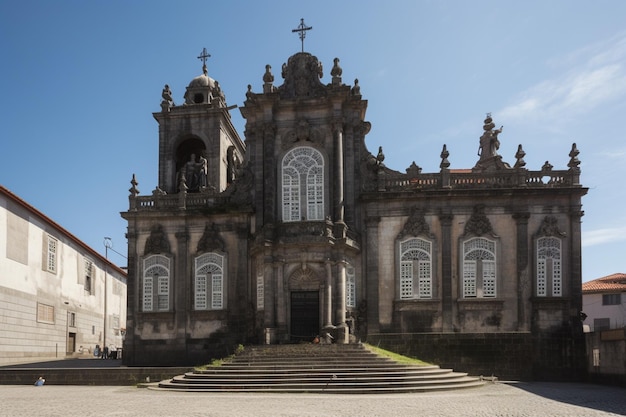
<point x="611" y="283"/>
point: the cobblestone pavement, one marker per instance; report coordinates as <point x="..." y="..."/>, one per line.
<point x="501" y="399"/>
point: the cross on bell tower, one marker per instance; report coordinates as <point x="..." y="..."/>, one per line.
<point x="302" y="28"/>
<point x="203" y="57"/>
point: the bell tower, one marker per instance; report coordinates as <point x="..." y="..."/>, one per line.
<point x="199" y="148"/>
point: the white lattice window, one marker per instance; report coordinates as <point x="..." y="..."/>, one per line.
<point x="51" y="258"/>
<point x="549" y="271"/>
<point x="350" y="287"/>
<point x="88" y="271"/>
<point x="156" y="283"/>
<point x="209" y="282"/>
<point x="416" y="279"/>
<point x="260" y="291"/>
<point x="303" y="185"/>
<point x="479" y="268"/>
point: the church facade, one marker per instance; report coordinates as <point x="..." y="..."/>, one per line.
<point x="299" y="230"/>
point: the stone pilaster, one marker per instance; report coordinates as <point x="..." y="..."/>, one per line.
<point x="446" y="271"/>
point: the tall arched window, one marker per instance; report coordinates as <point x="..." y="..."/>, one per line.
<point x="416" y="269"/>
<point x="479" y="268"/>
<point x="303" y="185"/>
<point x="549" y="274"/>
<point x="156" y="283"/>
<point x="209" y="282"/>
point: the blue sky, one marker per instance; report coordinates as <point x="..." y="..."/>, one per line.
<point x="80" y="81"/>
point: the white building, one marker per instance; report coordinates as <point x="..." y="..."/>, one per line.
<point x="58" y="296"/>
<point x="604" y="302"/>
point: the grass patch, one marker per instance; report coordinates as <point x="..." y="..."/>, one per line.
<point x="395" y="356"/>
<point x="220" y="361"/>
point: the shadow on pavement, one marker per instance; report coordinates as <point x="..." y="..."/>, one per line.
<point x="73" y="363"/>
<point x="598" y="397"/>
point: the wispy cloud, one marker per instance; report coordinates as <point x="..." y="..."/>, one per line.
<point x="596" y="75"/>
<point x="602" y="236"/>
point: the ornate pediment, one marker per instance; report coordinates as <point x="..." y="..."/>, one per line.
<point x="549" y="227"/>
<point x="157" y="241"/>
<point x="210" y="240"/>
<point x="415" y="225"/>
<point x="302" y="74"/>
<point x="304" y="279"/>
<point x="478" y="224"/>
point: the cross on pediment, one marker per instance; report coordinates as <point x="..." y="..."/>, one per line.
<point x="302" y="28"/>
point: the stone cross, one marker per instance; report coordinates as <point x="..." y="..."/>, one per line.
<point x="302" y="28"/>
<point x="203" y="56"/>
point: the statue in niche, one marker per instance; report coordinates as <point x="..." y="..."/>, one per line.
<point x="195" y="173"/>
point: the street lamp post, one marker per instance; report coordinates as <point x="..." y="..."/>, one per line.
<point x="108" y="243"/>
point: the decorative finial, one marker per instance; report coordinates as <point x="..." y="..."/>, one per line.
<point x="574" y="161"/>
<point x="519" y="155"/>
<point x="445" y="164"/>
<point x="302" y="28"/>
<point x="203" y="57"/>
<point x="133" y="190"/>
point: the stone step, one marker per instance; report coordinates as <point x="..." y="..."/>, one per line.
<point x="318" y="368"/>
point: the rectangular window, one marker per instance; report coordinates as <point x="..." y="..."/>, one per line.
<point x="489" y="279"/>
<point x="611" y="299"/>
<point x="425" y="287"/>
<point x="216" y="299"/>
<point x="88" y="276"/>
<point x="350" y="287"/>
<point x="260" y="292"/>
<point x="406" y="279"/>
<point x="201" y="292"/>
<point x="52" y="255"/>
<point x="147" y="293"/>
<point x="71" y="319"/>
<point x="164" y="293"/>
<point x="469" y="279"/>
<point x="45" y="313"/>
<point x="601" y="324"/>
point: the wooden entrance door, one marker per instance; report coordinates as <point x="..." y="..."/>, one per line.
<point x="305" y="315"/>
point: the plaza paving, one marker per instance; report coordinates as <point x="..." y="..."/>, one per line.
<point x="500" y="399"/>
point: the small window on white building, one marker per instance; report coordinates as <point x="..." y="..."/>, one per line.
<point x="479" y="268"/>
<point x="611" y="299"/>
<point x="89" y="272"/>
<point x="45" y="313"/>
<point x="50" y="254"/>
<point x="156" y="283"/>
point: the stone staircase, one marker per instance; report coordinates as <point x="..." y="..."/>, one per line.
<point x="318" y="368"/>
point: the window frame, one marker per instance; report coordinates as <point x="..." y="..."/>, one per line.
<point x="549" y="266"/>
<point x="208" y="286"/>
<point x="303" y="185"/>
<point x="612" y="299"/>
<point x="479" y="276"/>
<point x="156" y="293"/>
<point x="415" y="270"/>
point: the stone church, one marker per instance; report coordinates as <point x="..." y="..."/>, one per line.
<point x="297" y="230"/>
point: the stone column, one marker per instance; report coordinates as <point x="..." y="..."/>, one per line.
<point x="269" y="288"/>
<point x="524" y="281"/>
<point x="281" y="304"/>
<point x="575" y="216"/>
<point x="342" y="328"/>
<point x="181" y="288"/>
<point x="133" y="306"/>
<point x="371" y="271"/>
<point x="328" y="297"/>
<point x="447" y="303"/>
<point x="339" y="194"/>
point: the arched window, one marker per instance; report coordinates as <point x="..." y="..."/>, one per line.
<point x="479" y="268"/>
<point x="549" y="273"/>
<point x="303" y="185"/>
<point x="209" y="282"/>
<point x="156" y="283"/>
<point x="416" y="269"/>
